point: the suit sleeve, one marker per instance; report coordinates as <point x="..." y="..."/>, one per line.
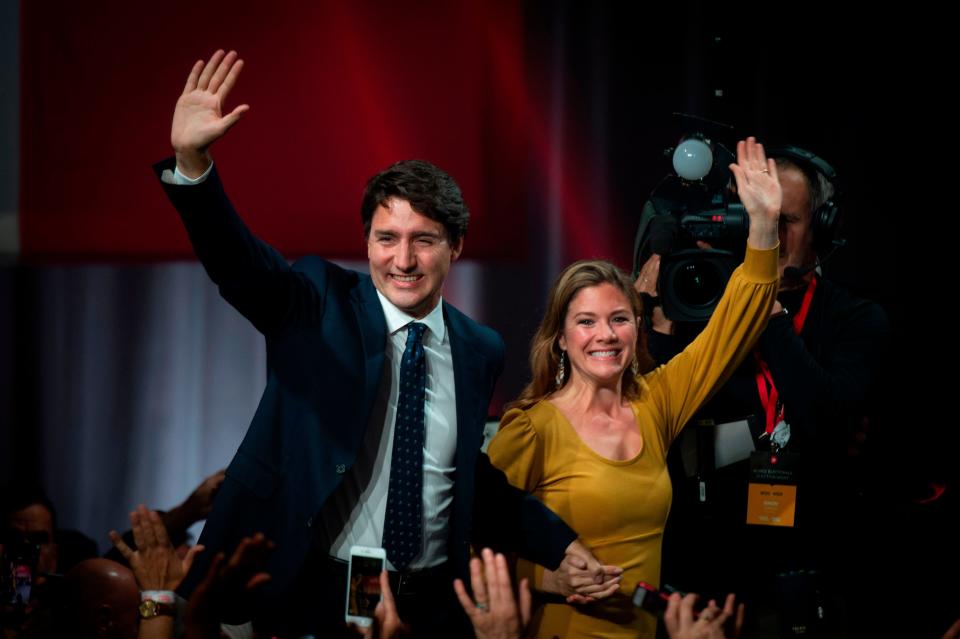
<point x="509" y="519"/>
<point x="251" y="275"/>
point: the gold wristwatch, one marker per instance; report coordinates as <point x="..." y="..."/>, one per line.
<point x="150" y="609"/>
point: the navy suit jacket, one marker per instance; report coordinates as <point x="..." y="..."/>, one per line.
<point x="326" y="336"/>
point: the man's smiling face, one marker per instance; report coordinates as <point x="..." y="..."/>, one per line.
<point x="410" y="256"/>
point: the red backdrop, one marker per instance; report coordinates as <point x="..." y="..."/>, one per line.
<point x="337" y="91"/>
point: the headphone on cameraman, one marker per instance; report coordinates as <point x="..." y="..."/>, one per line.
<point x="825" y="220"/>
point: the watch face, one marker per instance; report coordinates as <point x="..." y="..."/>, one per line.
<point x="148" y="609"/>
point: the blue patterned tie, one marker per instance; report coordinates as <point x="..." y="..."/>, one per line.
<point x="401" y="529"/>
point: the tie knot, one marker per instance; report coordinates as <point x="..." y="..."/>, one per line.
<point x="415" y="333"/>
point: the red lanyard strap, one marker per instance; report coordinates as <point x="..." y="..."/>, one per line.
<point x="765" y="386"/>
<point x="801" y="317"/>
<point x="768" y="394"/>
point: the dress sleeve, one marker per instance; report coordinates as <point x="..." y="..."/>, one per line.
<point x="681" y="386"/>
<point x="517" y="450"/>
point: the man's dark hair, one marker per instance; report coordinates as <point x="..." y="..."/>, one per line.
<point x="428" y="189"/>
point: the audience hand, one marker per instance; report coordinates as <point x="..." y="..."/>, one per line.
<point x="494" y="613"/>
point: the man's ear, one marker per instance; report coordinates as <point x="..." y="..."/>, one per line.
<point x="456" y="248"/>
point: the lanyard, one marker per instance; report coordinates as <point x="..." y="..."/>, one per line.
<point x="769" y="397"/>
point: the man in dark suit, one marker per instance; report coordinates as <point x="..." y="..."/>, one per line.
<point x="368" y="432"/>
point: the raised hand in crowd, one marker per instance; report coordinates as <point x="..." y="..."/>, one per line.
<point x="157" y="568"/>
<point x="712" y="622"/>
<point x="155" y="562"/>
<point x="196" y="507"/>
<point x="178" y="519"/>
<point x="226" y="589"/>
<point x="493" y="610"/>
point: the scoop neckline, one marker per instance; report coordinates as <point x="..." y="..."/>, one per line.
<point x="584" y="445"/>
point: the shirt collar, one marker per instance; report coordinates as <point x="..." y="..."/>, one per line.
<point x="397" y="319"/>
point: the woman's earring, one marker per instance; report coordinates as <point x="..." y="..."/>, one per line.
<point x="561" y="370"/>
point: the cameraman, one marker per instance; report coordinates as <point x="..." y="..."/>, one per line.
<point x="802" y="398"/>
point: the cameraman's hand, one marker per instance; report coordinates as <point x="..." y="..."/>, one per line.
<point x="647" y="284"/>
<point x="647" y="278"/>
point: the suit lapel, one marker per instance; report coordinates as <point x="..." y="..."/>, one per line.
<point x="373" y="335"/>
<point x="467" y="365"/>
<point x="467" y="379"/>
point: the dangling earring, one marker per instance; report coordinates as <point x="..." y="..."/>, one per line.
<point x="635" y="366"/>
<point x="561" y="370"/>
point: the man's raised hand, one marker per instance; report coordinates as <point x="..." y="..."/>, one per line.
<point x="198" y="120"/>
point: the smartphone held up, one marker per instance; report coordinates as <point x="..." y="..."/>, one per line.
<point x="363" y="584"/>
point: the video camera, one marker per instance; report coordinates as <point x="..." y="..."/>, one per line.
<point x="695" y="203"/>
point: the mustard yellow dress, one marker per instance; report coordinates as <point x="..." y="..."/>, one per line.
<point x="619" y="508"/>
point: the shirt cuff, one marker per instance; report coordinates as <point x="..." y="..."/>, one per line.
<point x="178" y="178"/>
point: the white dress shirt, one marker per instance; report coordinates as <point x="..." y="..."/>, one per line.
<point x="362" y="496"/>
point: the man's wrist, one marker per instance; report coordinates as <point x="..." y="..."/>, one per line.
<point x="159" y="596"/>
<point x="193" y="164"/>
<point x="157" y="603"/>
<point x="548" y="581"/>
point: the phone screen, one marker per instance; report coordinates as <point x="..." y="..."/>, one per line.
<point x="18" y="563"/>
<point x="364" y="585"/>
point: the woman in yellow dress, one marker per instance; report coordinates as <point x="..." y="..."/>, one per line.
<point x="589" y="435"/>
